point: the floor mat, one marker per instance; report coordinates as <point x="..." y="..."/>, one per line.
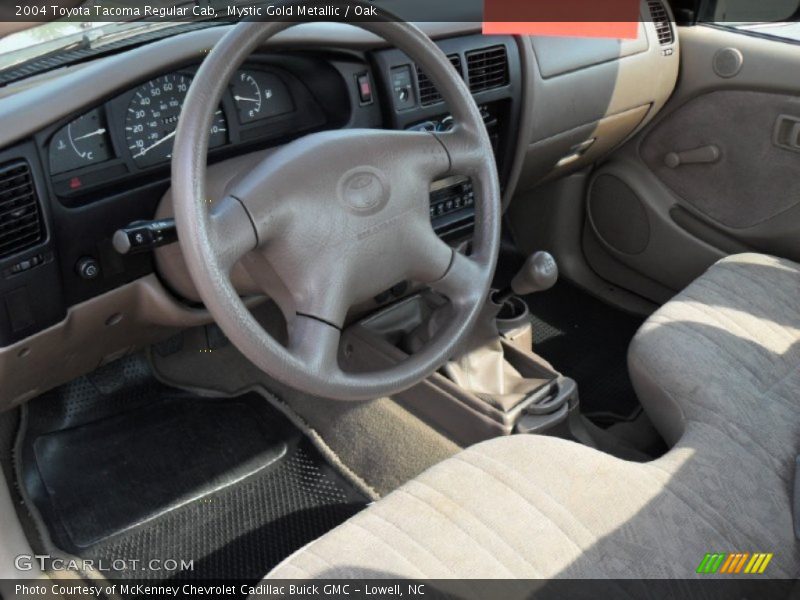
<point x="121" y="466"/>
<point x="587" y="339"/>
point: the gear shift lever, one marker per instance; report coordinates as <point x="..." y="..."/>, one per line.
<point x="539" y="273"/>
<point x="495" y="362"/>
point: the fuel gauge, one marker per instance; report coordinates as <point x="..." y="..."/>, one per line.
<point x="247" y="94"/>
<point x="259" y="95"/>
<point x="83" y="142"/>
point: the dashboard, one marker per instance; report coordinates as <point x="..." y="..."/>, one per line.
<point x="85" y="152"/>
<point x="105" y="167"/>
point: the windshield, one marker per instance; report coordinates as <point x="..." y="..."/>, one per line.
<point x="43" y="39"/>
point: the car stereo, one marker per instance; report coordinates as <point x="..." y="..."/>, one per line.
<point x="452" y="205"/>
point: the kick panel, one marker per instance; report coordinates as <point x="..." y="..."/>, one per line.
<point x="618" y="215"/>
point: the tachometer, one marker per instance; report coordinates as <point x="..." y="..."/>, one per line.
<point x="152" y="120"/>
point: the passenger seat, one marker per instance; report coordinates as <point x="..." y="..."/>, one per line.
<point x="718" y="370"/>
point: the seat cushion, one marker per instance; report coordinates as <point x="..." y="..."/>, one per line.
<point x="726" y="351"/>
<point x="720" y="363"/>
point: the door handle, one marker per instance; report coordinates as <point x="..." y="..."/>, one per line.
<point x="787" y="133"/>
<point x="705" y="155"/>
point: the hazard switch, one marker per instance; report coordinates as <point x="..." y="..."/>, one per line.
<point x="364" y="88"/>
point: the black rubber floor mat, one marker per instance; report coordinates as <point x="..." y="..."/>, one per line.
<point x="587" y="339"/>
<point x="120" y="466"/>
<point x="160" y="457"/>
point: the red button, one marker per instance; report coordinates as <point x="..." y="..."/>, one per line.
<point x="364" y="88"/>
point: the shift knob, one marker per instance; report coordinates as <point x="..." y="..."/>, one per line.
<point x="539" y="273"/>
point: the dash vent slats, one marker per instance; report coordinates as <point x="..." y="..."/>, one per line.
<point x="21" y="224"/>
<point x="487" y="68"/>
<point x="658" y="13"/>
<point x="428" y="94"/>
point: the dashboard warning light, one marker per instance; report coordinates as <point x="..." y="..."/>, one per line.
<point x="75" y="183"/>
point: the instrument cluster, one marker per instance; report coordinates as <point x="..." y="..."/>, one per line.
<point x="135" y="131"/>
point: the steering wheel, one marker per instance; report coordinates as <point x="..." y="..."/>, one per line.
<point x="340" y="216"/>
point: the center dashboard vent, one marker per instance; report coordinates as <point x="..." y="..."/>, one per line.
<point x="428" y="94"/>
<point x="21" y="225"/>
<point x="658" y="13"/>
<point x="487" y="68"/>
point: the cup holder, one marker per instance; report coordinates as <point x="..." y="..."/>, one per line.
<point x="512" y="314"/>
<point x="513" y="322"/>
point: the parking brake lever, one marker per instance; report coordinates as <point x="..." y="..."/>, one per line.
<point x="145" y="236"/>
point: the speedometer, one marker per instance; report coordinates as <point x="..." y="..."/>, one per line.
<point x="152" y="120"/>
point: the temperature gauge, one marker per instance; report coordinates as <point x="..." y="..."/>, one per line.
<point x="259" y="95"/>
<point x="83" y="142"/>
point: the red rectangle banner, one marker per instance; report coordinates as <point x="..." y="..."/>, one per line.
<point x="618" y="19"/>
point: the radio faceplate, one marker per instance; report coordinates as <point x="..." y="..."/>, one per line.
<point x="452" y="205"/>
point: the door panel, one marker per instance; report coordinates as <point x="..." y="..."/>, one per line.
<point x="717" y="172"/>
<point x="750" y="179"/>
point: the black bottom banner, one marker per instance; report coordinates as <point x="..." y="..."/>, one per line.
<point x="374" y="589"/>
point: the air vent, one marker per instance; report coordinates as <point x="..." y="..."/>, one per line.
<point x="487" y="68"/>
<point x="428" y="94"/>
<point x="20" y="215"/>
<point x="661" y="21"/>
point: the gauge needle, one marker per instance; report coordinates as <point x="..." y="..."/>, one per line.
<point x="240" y="98"/>
<point x="158" y="143"/>
<point x="100" y="131"/>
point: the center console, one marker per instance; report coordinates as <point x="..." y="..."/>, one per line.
<point x="494" y="385"/>
<point x="490" y="66"/>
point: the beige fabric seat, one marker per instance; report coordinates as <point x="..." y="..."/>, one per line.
<point x="718" y="369"/>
